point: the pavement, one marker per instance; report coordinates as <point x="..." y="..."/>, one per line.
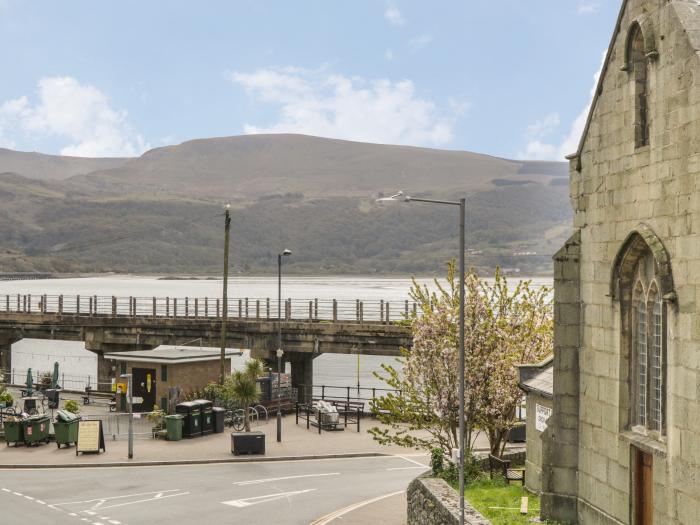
<point x="297" y="441"/>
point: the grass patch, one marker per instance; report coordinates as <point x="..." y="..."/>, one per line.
<point x="500" y="502"/>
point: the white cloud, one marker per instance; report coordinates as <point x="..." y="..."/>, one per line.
<point x="80" y="113"/>
<point x="394" y="16"/>
<point x="419" y="42"/>
<point x="336" y="106"/>
<point x="537" y="149"/>
<point x="585" y="8"/>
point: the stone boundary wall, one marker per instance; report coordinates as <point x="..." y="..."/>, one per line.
<point x="431" y="501"/>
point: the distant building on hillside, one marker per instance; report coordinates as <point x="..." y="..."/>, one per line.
<point x="623" y="443"/>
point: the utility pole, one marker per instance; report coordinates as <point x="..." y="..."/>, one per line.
<point x="130" y="391"/>
<point x="224" y="312"/>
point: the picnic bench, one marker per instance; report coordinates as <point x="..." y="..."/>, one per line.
<point x="502" y="467"/>
<point x="88" y="399"/>
<point x="344" y="404"/>
<point x="321" y="420"/>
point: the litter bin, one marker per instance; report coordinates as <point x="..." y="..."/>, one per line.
<point x="192" y="422"/>
<point x="53" y="397"/>
<point x="219" y="414"/>
<point x="247" y="442"/>
<point x="174" y="424"/>
<point x="66" y="433"/>
<point x="35" y="429"/>
<point x="13" y="432"/>
<point x="205" y="409"/>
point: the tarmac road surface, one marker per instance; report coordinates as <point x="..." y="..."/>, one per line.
<point x="284" y="492"/>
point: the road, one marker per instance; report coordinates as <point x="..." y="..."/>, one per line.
<point x="285" y="492"/>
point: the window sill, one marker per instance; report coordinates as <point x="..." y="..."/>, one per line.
<point x="648" y="444"/>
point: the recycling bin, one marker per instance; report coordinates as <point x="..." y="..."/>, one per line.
<point x="66" y="433"/>
<point x="173" y="425"/>
<point x="219" y="414"/>
<point x="192" y="422"/>
<point x="13" y="432"/>
<point x="35" y="429"/>
<point x="205" y="409"/>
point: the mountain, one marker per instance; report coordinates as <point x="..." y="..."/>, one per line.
<point x="52" y="167"/>
<point x="161" y="212"/>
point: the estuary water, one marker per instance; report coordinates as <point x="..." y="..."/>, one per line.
<point x="329" y="369"/>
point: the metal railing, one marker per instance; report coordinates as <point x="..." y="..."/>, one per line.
<point x="117" y="424"/>
<point x="348" y="394"/>
<point x="16" y="376"/>
<point x="249" y="308"/>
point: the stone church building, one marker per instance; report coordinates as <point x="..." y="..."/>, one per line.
<point x="623" y="443"/>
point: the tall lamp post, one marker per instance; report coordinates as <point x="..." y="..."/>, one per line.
<point x="130" y="391"/>
<point x="224" y="311"/>
<point x="401" y="197"/>
<point x="280" y="352"/>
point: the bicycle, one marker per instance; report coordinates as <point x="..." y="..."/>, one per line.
<point x="236" y="419"/>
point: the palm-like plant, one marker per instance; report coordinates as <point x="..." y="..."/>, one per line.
<point x="244" y="389"/>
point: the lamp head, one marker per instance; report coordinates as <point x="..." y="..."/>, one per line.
<point x="287" y="252"/>
<point x="397" y="197"/>
<point x="280" y="353"/>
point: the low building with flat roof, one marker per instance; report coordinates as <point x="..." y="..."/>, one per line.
<point x="537" y="382"/>
<point x="157" y="373"/>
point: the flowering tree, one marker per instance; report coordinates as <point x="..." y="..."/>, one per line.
<point x="502" y="329"/>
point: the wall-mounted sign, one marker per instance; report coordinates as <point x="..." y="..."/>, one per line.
<point x="542" y="414"/>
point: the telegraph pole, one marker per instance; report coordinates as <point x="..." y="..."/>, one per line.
<point x="224" y="312"/>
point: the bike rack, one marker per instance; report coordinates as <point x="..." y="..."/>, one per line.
<point x="264" y="411"/>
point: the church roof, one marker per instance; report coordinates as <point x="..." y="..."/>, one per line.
<point x="688" y="13"/>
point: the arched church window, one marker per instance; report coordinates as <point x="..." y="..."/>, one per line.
<point x="638" y="67"/>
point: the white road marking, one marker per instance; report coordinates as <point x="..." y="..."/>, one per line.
<point x="40" y="502"/>
<point x="247" y="502"/>
<point x="6" y="490"/>
<point x="155" y="498"/>
<point x="411" y="460"/>
<point x="408" y="468"/>
<point x="29" y="497"/>
<point x="115" y="522"/>
<point x="257" y="481"/>
<point x="117" y="497"/>
<point x="17" y="494"/>
<point x="341" y="512"/>
<point x="91" y="513"/>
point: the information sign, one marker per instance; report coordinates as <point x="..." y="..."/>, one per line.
<point x="90" y="437"/>
<point x="542" y="414"/>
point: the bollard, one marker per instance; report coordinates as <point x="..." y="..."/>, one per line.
<point x="388" y="317"/>
<point x="187" y="306"/>
<point x="206" y="307"/>
<point x="174" y="306"/>
<point x="167" y="307"/>
<point x="77" y="305"/>
<point x="267" y="304"/>
<point x="196" y="308"/>
<point x="335" y="310"/>
<point x="257" y="309"/>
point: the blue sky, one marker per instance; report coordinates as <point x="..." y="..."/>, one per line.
<point x="507" y="78"/>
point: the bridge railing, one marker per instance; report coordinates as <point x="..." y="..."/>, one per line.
<point x="250" y="308"/>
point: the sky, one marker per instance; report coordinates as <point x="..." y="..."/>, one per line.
<point x="116" y="78"/>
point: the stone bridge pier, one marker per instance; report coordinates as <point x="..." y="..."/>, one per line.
<point x="302" y="364"/>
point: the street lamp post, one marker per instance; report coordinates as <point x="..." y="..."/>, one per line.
<point x="280" y="352"/>
<point x="401" y="197"/>
<point x="224" y="311"/>
<point x="130" y="392"/>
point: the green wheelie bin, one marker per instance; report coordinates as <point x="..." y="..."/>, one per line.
<point x="35" y="429"/>
<point x="173" y="425"/>
<point x="66" y="427"/>
<point x="66" y="433"/>
<point x="13" y="432"/>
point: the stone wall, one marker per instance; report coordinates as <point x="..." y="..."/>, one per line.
<point x="431" y="501"/>
<point x="533" y="459"/>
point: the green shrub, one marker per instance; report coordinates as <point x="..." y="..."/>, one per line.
<point x="6" y="397"/>
<point x="437" y="460"/>
<point x="72" y="406"/>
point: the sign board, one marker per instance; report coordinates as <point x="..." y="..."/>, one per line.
<point x="137" y="401"/>
<point x="542" y="414"/>
<point x="90" y="437"/>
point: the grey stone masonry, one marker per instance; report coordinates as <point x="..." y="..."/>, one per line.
<point x="431" y="501"/>
<point x="560" y="440"/>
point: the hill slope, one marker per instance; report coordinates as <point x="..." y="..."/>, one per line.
<point x="161" y="212"/>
